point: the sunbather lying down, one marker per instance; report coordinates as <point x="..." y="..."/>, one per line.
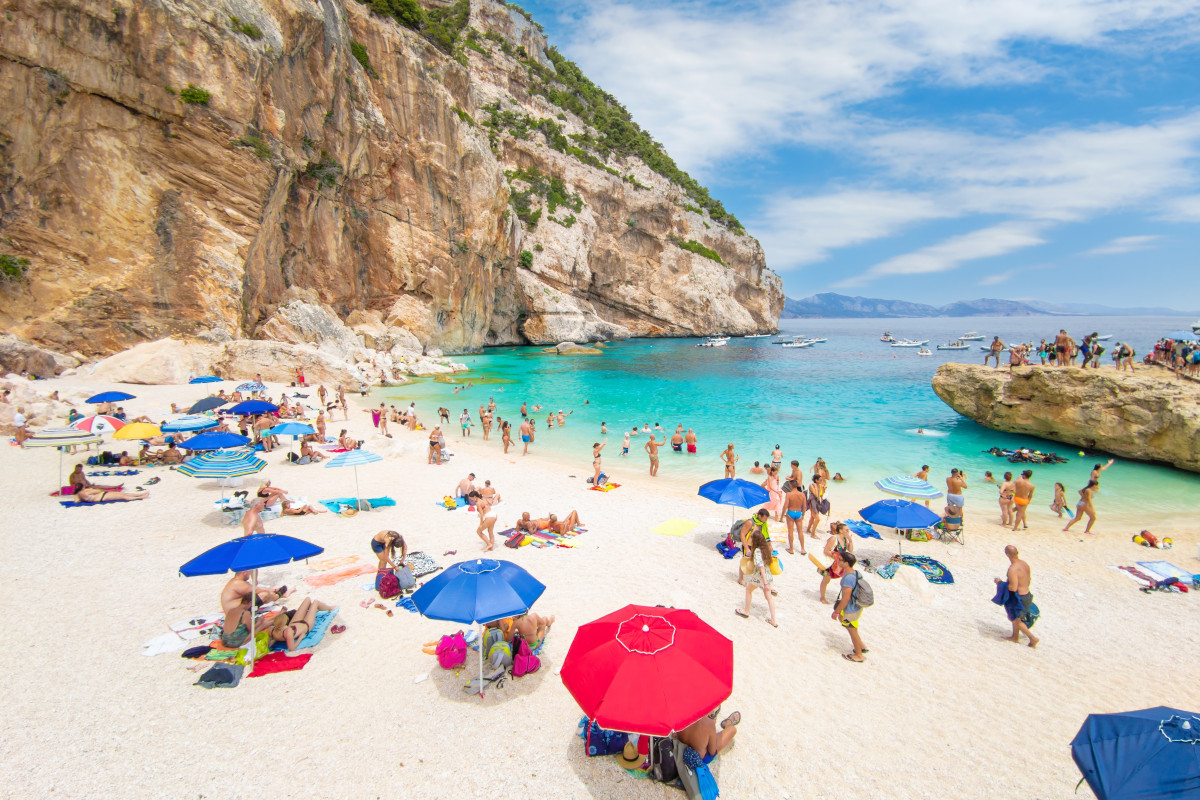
<point x="551" y="522"/>
<point x="98" y="495"/>
<point x="290" y="627"/>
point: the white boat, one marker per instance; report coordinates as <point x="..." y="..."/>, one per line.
<point x="756" y="335"/>
<point x="1104" y="338"/>
<point x="910" y="343"/>
<point x="1196" y="328"/>
<point x="924" y="351"/>
<point x="954" y="346"/>
<point x="887" y="337"/>
<point x="988" y="349"/>
<point x="798" y="343"/>
<point x="714" y="341"/>
<point x="971" y="336"/>
<point x="818" y="340"/>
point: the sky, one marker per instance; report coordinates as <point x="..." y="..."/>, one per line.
<point x="930" y="150"/>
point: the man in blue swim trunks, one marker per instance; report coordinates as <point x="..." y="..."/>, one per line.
<point x="525" y="430"/>
<point x="795" y="503"/>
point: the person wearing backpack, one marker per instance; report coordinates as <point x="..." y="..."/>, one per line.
<point x="855" y="596"/>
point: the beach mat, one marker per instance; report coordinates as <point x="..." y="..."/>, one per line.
<point x="421" y="563"/>
<point x="608" y="487"/>
<point x="73" y="504"/>
<point x="278" y="662"/>
<point x="1138" y="576"/>
<point x="339" y="575"/>
<point x="1165" y="569"/>
<point x="314" y="637"/>
<point x="934" y="571"/>
<point x="332" y="563"/>
<point x="335" y="505"/>
<point x="862" y="529"/>
<point x="674" y="527"/>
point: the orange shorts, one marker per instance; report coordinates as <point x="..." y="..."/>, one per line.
<point x="1021" y="501"/>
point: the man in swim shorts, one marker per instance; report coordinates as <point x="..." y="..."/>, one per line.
<point x="994" y="351"/>
<point x="1062" y="347"/>
<point x="652" y="448"/>
<point x="795" y="503"/>
<point x="525" y="431"/>
<point x="625" y="446"/>
<point x="690" y="439"/>
<point x="1019" y="579"/>
<point x="955" y="485"/>
<point x="846" y="611"/>
<point x="465" y="486"/>
<point x="677" y="441"/>
<point x="524" y="411"/>
<point x="1022" y="495"/>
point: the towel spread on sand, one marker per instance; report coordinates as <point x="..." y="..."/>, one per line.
<point x="407" y="603"/>
<point x="74" y="504"/>
<point x="863" y="529"/>
<point x="1166" y="569"/>
<point x="221" y="676"/>
<point x="421" y="563"/>
<point x="336" y="503"/>
<point x="935" y="571"/>
<point x="339" y="575"/>
<point x="1136" y="575"/>
<point x="332" y="563"/>
<point x="167" y="643"/>
<point x="674" y="527"/>
<point x="278" y="662"/>
<point x="608" y="487"/>
<point x="314" y="637"/>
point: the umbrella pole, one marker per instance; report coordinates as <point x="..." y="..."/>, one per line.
<point x="356" y="488"/>
<point x="481" y="654"/>
<point x="60" y="460"/>
<point x="253" y="599"/>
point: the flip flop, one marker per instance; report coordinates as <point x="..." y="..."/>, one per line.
<point x="850" y="657"/>
<point x="450" y="553"/>
<point x="772" y="624"/>
<point x="338" y="629"/>
<point x="365" y="604"/>
<point x="741" y="613"/>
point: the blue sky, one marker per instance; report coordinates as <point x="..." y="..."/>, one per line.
<point x="932" y="150"/>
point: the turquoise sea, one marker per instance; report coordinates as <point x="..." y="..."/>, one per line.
<point x="854" y="401"/>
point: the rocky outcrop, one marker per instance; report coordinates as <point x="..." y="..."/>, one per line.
<point x="171" y="171"/>
<point x="41" y="410"/>
<point x="22" y="357"/>
<point x="1148" y="415"/>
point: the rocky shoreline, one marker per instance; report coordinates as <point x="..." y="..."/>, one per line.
<point x="1149" y="415"/>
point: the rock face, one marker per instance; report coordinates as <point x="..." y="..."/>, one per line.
<point x="1148" y="415"/>
<point x="19" y="356"/>
<point x="309" y="179"/>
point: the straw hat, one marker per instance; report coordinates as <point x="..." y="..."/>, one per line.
<point x="630" y="758"/>
<point x="348" y="511"/>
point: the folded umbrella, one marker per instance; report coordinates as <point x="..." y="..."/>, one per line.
<point x="207" y="404"/>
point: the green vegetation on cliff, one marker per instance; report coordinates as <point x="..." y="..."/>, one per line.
<point x="13" y="268"/>
<point x="692" y="246"/>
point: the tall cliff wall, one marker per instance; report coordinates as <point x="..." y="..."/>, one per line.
<point x="341" y="153"/>
<point x="1149" y="415"/>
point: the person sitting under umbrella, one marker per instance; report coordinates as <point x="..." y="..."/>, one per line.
<point x="309" y="452"/>
<point x="952" y="519"/>
<point x="346" y="443"/>
<point x="703" y="736"/>
<point x="78" y="482"/>
<point x="235" y="602"/>
<point x="533" y="628"/>
<point x="172" y="455"/>
<point x="290" y="627"/>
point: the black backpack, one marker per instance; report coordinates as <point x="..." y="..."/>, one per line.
<point x="662" y="760"/>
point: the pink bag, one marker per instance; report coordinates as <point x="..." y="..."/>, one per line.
<point x="525" y="662"/>
<point x="452" y="651"/>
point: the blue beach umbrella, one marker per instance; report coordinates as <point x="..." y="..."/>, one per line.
<point x="250" y="553"/>
<point x="1152" y="754"/>
<point x="109" y="397"/>
<point x="191" y="422"/>
<point x="1181" y="335"/>
<point x="206" y="379"/>
<point x="290" y="429"/>
<point x="354" y="458"/>
<point x="734" y="492"/>
<point x="207" y="404"/>
<point x="908" y="486"/>
<point x="252" y="386"/>
<point x="254" y="407"/>
<point x="899" y="514"/>
<point x="214" y="440"/>
<point x="478" y="591"/>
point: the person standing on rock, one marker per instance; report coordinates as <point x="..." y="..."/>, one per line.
<point x="652" y="448"/>
<point x="1062" y="348"/>
<point x="994" y="352"/>
<point x="955" y="485"/>
<point x="1022" y="496"/>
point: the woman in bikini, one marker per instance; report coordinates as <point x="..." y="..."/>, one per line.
<point x="98" y="495"/>
<point x="771" y="484"/>
<point x="290" y="627"/>
<point x="1006" y="499"/>
<point x="758" y="550"/>
<point x="435" y="445"/>
<point x="383" y="545"/>
<point x="1084" y="506"/>
<point x="596" y="448"/>
<point x="487" y="521"/>
<point x="839" y="542"/>
<point x="506" y="437"/>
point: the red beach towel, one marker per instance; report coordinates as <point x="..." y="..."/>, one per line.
<point x="279" y="662"/>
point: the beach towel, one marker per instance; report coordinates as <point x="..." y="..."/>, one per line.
<point x="1136" y="575"/>
<point x="408" y="604"/>
<point x="339" y="575"/>
<point x="278" y="662"/>
<point x="332" y="563"/>
<point x="221" y="676"/>
<point x="314" y="637"/>
<point x="1014" y="607"/>
<point x="608" y="487"/>
<point x="74" y="504"/>
<point x="421" y="563"/>
<point x="167" y="643"/>
<point x="196" y="626"/>
<point x="935" y="571"/>
<point x="1165" y="569"/>
<point x="336" y="503"/>
<point x="728" y="550"/>
<point x="674" y="527"/>
<point x="862" y="529"/>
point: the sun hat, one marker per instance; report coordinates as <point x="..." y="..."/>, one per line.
<point x="630" y="758"/>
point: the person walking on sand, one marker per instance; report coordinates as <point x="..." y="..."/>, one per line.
<point x="505" y="435"/>
<point x="955" y="485"/>
<point x="730" y="460"/>
<point x="1018" y="581"/>
<point x="1022" y="497"/>
<point x="840" y="541"/>
<point x="596" y="448"/>
<point x="652" y="448"/>
<point x="689" y="439"/>
<point x="487" y="522"/>
<point x="464" y="419"/>
<point x="1085" y="506"/>
<point x="771" y="484"/>
<point x="817" y="504"/>
<point x="1006" y="496"/>
<point x="756" y="557"/>
<point x="795" y="503"/>
<point x="1060" y="500"/>
<point x="847" y="612"/>
<point x="994" y="351"/>
<point x="322" y="392"/>
<point x="525" y="432"/>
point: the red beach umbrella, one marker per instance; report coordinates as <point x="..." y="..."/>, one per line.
<point x="648" y="670"/>
<point x="98" y="424"/>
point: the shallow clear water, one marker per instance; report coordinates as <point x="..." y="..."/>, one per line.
<point x="854" y="401"/>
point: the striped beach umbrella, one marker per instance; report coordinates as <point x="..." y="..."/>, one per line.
<point x="252" y="386"/>
<point x="223" y="464"/>
<point x="354" y="458"/>
<point x="61" y="438"/>
<point x="206" y="379"/>
<point x="191" y="422"/>
<point x="98" y="424"/>
<point x="908" y="486"/>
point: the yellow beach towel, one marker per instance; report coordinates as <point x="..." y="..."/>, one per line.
<point x="674" y="527"/>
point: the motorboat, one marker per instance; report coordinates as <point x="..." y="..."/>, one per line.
<point x="714" y="341"/>
<point x="818" y="340"/>
<point x="1196" y="328"/>
<point x="924" y="351"/>
<point x="1104" y="338"/>
<point x="959" y="345"/>
<point x="910" y="343"/>
<point x="971" y="336"/>
<point x="756" y="335"/>
<point x="887" y="337"/>
<point x="797" y="343"/>
<point x="988" y="348"/>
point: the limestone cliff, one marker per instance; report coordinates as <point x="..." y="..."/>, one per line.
<point x="1148" y="415"/>
<point x="183" y="167"/>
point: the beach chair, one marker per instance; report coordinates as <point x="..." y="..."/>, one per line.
<point x="949" y="536"/>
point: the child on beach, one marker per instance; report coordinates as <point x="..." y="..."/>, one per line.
<point x="625" y="446"/>
<point x="1060" y="500"/>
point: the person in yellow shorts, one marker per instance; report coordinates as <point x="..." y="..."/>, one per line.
<point x="846" y="611"/>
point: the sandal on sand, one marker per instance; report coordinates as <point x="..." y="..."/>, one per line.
<point x="732" y="719"/>
<point x="850" y="657"/>
<point x="338" y="629"/>
<point x="381" y="606"/>
<point x="365" y="604"/>
<point x="741" y="613"/>
<point x="772" y="624"/>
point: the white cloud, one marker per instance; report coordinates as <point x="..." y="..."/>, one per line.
<point x="1182" y="209"/>
<point x="947" y="255"/>
<point x="1123" y="244"/>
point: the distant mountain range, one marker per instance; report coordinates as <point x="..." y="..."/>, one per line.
<point x="829" y="304"/>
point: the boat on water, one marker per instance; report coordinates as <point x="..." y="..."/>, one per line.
<point x="887" y="337"/>
<point x="1196" y="328"/>
<point x="714" y="341"/>
<point x="797" y="343"/>
<point x="818" y="339"/>
<point x="756" y="335"/>
<point x="959" y="345"/>
<point x="988" y="348"/>
<point x="971" y="336"/>
<point x="924" y="351"/>
<point x="910" y="343"/>
<point x="1104" y="338"/>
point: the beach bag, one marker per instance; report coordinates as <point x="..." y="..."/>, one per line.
<point x="387" y="584"/>
<point x="863" y="595"/>
<point x="525" y="662"/>
<point x="823" y="505"/>
<point x="452" y="651"/>
<point x="514" y="541"/>
<point x="496" y="649"/>
<point x="449" y="502"/>
<point x="662" y="760"/>
<point x="405" y="577"/>
<point x="776" y="566"/>
<point x="599" y="742"/>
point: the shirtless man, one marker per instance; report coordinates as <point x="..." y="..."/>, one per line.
<point x="924" y="475"/>
<point x="526" y="524"/>
<point x="703" y="736"/>
<point x="252" y="520"/>
<point x="491" y="406"/>
<point x="1062" y="348"/>
<point x="320" y="426"/>
<point x="489" y="494"/>
<point x="730" y="460"/>
<point x="955" y="485"/>
<point x="465" y="486"/>
<point x="677" y="441"/>
<point x="171" y="455"/>
<point x="526" y="431"/>
<point x="322" y="393"/>
<point x="1018" y="583"/>
<point x="524" y="410"/>
<point x="652" y="448"/>
<point x="795" y="477"/>
<point x="795" y="503"/>
<point x="1022" y="495"/>
<point x="997" y="347"/>
<point x="689" y="439"/>
<point x="235" y="602"/>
